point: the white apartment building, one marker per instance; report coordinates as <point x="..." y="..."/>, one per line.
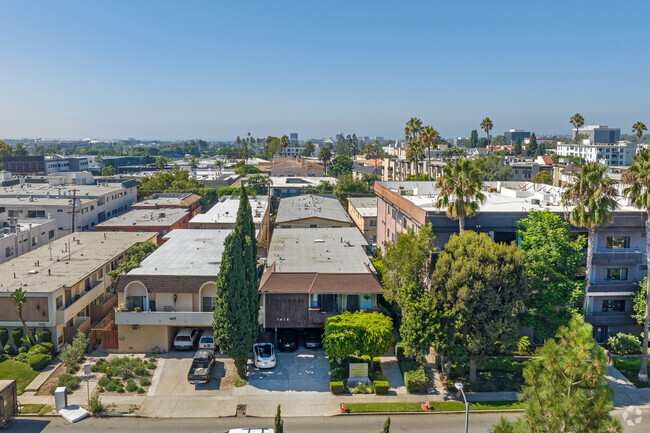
<point x="17" y="238"/>
<point x="616" y="154"/>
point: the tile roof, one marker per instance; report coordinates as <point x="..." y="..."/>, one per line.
<point x="166" y="283"/>
<point x="314" y="282"/>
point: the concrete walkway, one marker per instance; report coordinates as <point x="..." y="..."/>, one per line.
<point x="391" y="370"/>
<point x="625" y="393"/>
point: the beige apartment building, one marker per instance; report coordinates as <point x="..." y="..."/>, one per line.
<point x="67" y="282"/>
<point x="363" y="211"/>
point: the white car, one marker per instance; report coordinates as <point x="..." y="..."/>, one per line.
<point x="186" y="339"/>
<point x="207" y="340"/>
<point x="264" y="355"/>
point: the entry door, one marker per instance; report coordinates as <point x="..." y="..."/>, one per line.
<point x="353" y="303"/>
<point x="600" y="333"/>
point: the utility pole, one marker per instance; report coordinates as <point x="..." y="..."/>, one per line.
<point x="74" y="206"/>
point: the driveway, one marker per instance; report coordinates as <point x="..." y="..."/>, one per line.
<point x="302" y="370"/>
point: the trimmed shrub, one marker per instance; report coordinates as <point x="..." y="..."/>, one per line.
<point x="400" y="354"/>
<point x="47" y="336"/>
<point x="416" y="381"/>
<point x="23" y="349"/>
<point x="104" y="381"/>
<point x="120" y="388"/>
<point x="72" y="368"/>
<point x="131" y="386"/>
<point x="151" y="366"/>
<point x="49" y="346"/>
<point x="624" y="344"/>
<point x="144" y="381"/>
<point x="336" y="387"/>
<point x="39" y="361"/>
<point x="111" y="386"/>
<point x="4" y="336"/>
<point x="141" y="370"/>
<point x="9" y="350"/>
<point x="140" y="390"/>
<point x="16" y="335"/>
<point x="69" y="381"/>
<point x="39" y="349"/>
<point x="381" y="387"/>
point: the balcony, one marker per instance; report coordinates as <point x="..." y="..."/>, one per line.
<point x="168" y="318"/>
<point x="64" y="314"/>
<point x="604" y="256"/>
<point x="609" y="319"/>
<point x="318" y="317"/>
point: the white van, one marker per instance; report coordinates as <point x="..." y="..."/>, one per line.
<point x="186" y="339"/>
<point x="207" y="340"/>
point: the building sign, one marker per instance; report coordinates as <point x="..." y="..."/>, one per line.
<point x="359" y="369"/>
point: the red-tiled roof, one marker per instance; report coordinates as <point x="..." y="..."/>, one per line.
<point x="314" y="282"/>
<point x="547" y="160"/>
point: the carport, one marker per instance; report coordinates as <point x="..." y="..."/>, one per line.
<point x="301" y="370"/>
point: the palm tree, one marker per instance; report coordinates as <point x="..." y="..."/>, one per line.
<point x="325" y="154"/>
<point x="285" y="143"/>
<point x="577" y="121"/>
<point x="460" y="191"/>
<point x="638" y="129"/>
<point x="309" y="149"/>
<point x="245" y="151"/>
<point x="161" y="161"/>
<point x="593" y="196"/>
<point x="218" y="165"/>
<point x="18" y="298"/>
<point x="638" y="191"/>
<point x="412" y="132"/>
<point x="429" y="137"/>
<point x="486" y="125"/>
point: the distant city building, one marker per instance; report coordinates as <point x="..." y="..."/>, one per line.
<point x="599" y="134"/>
<point x="513" y="134"/>
<point x="293" y="138"/>
<point x="127" y="164"/>
<point x="617" y="154"/>
<point x="24" y="164"/>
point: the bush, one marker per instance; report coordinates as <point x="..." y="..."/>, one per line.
<point x="112" y="385"/>
<point x="152" y="360"/>
<point x="74" y="353"/>
<point x="16" y="335"/>
<point x="140" y="390"/>
<point x="624" y="344"/>
<point x="151" y="366"/>
<point x="338" y="373"/>
<point x="362" y="389"/>
<point x="49" y="346"/>
<point x="3" y="357"/>
<point x="23" y="349"/>
<point x="9" y="350"/>
<point x="120" y="388"/>
<point x="72" y="368"/>
<point x="144" y="381"/>
<point x="95" y="405"/>
<point x="104" y="381"/>
<point x="336" y="387"/>
<point x="39" y="349"/>
<point x="69" y="381"/>
<point x="39" y="361"/>
<point x="524" y="346"/>
<point x="381" y="387"/>
<point x="400" y="354"/>
<point x="141" y="370"/>
<point x="4" y="336"/>
<point x="100" y="389"/>
<point x="47" y="336"/>
<point x="131" y="386"/>
<point x="416" y="381"/>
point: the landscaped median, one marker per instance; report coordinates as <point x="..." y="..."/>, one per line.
<point x="435" y="406"/>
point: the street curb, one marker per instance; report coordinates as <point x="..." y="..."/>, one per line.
<point x="432" y="412"/>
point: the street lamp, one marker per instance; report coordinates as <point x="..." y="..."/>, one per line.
<point x="459" y="387"/>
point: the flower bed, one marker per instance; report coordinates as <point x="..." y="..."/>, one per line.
<point x="339" y="374"/>
<point x="124" y="375"/>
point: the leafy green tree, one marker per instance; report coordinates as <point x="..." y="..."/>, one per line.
<point x="482" y="286"/>
<point x="109" y="170"/>
<point x="309" y="149"/>
<point x="365" y="333"/>
<point x="565" y="389"/>
<point x="340" y="165"/>
<point x="271" y="147"/>
<point x="638" y="129"/>
<point x="18" y="297"/>
<point x="136" y="254"/>
<point x="278" y="424"/>
<point x="533" y="147"/>
<point x="542" y="177"/>
<point x="346" y="186"/>
<point x="460" y="191"/>
<point x="492" y="168"/>
<point x="161" y="161"/>
<point x="422" y="325"/>
<point x="176" y="181"/>
<point x="407" y="261"/>
<point x="258" y="183"/>
<point x="386" y="428"/>
<point x="246" y="169"/>
<point x="639" y="302"/>
<point x="593" y="197"/>
<point x="325" y="155"/>
<point x="487" y="125"/>
<point x="19" y="150"/>
<point x="553" y="261"/>
<point x="473" y="139"/>
<point x="73" y="354"/>
<point x="638" y="190"/>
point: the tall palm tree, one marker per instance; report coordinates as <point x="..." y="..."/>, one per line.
<point x="18" y="298"/>
<point x="577" y="121"/>
<point x="325" y="155"/>
<point x="460" y="191"/>
<point x="486" y="125"/>
<point x="412" y="132"/>
<point x="638" y="191"/>
<point x="593" y="197"/>
<point x="218" y="165"/>
<point x="284" y="140"/>
<point x="638" y="129"/>
<point x="429" y="137"/>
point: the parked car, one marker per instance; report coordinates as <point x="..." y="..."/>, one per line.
<point x="250" y="430"/>
<point x="207" y="340"/>
<point x="288" y="340"/>
<point x="186" y="339"/>
<point x="264" y="355"/>
<point x="201" y="366"/>
<point x="313" y="339"/>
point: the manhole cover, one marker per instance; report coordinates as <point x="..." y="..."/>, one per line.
<point x="241" y="410"/>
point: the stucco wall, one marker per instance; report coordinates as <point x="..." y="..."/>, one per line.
<point x="143" y="339"/>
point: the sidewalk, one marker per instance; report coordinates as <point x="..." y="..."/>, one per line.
<point x="625" y="393"/>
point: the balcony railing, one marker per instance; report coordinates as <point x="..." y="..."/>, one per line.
<point x="175" y="318"/>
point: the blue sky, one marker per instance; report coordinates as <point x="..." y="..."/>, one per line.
<point x="217" y="69"/>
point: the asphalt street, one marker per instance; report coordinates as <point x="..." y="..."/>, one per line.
<point x="479" y="423"/>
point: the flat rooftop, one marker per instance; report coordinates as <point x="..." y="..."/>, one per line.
<point x="326" y="250"/>
<point x="225" y="211"/>
<point x="311" y="206"/>
<point x="298" y="181"/>
<point x="506" y="197"/>
<point x="168" y="199"/>
<point x="146" y="218"/>
<point x="366" y="206"/>
<point x="40" y="191"/>
<point x="186" y="252"/>
<point x="88" y="252"/>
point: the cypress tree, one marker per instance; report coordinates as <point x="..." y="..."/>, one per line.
<point x="278" y="425"/>
<point x="386" y="426"/>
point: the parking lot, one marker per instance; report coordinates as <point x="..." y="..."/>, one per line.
<point x="301" y="370"/>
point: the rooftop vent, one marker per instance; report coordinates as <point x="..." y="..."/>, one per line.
<point x="319" y="241"/>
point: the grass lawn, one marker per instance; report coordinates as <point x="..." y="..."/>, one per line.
<point x="490" y="381"/>
<point x="630" y="369"/>
<point x="39" y="409"/>
<point x="18" y="371"/>
<point x="436" y="406"/>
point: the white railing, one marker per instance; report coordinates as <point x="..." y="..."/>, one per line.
<point x="175" y="318"/>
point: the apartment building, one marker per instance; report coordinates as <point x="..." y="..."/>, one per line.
<point x="174" y="287"/>
<point x="598" y="134"/>
<point x="292" y="186"/>
<point x="22" y="236"/>
<point x="161" y="221"/>
<point x="171" y="200"/>
<point x="311" y="211"/>
<point x="619" y="154"/>
<point x="619" y="256"/>
<point x="93" y="203"/>
<point x="363" y="211"/>
<point x="67" y="282"/>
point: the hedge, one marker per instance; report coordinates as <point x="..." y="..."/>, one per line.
<point x="336" y="387"/>
<point x="47" y="336"/>
<point x="16" y="335"/>
<point x="416" y="381"/>
<point x="4" y="336"/>
<point x="399" y="351"/>
<point x="381" y="387"/>
<point x="39" y="361"/>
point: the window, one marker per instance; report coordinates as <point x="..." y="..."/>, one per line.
<point x="208" y="304"/>
<point x="313" y="226"/>
<point x="616" y="274"/>
<point x="13" y="213"/>
<point x="34" y="241"/>
<point x="327" y="303"/>
<point x="618" y="242"/>
<point x="59" y="210"/>
<point x="9" y="251"/>
<point x="162" y="232"/>
<point x="610" y="305"/>
<point x="373" y="223"/>
<point x="35" y="214"/>
<point x="504" y="237"/>
<point x="373" y="239"/>
<point x="59" y="302"/>
<point x="51" y="234"/>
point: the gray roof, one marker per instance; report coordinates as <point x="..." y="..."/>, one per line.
<point x="366" y="206"/>
<point x="146" y="217"/>
<point x="311" y="206"/>
<point x="324" y="250"/>
<point x="225" y="211"/>
<point x="186" y="252"/>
